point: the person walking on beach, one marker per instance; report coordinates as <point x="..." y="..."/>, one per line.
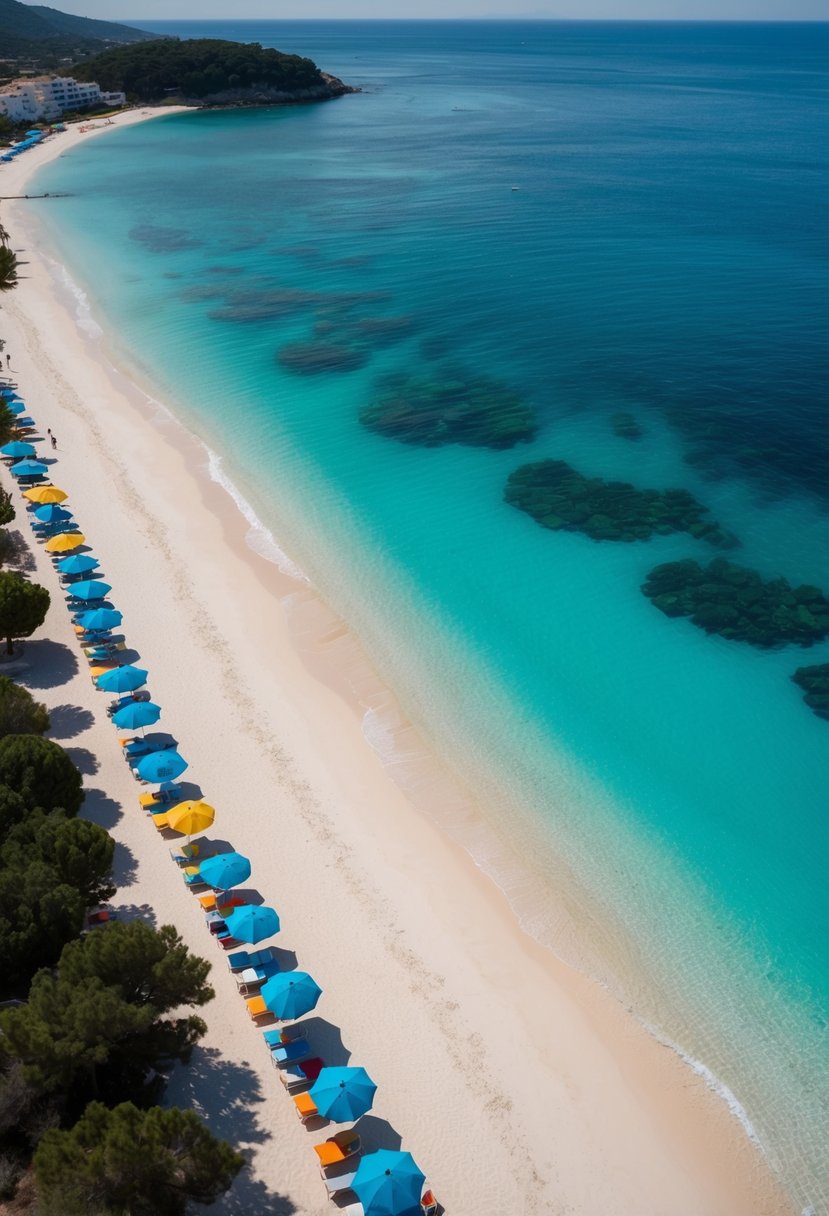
<point x="8" y="361"/>
<point x="53" y="441"/>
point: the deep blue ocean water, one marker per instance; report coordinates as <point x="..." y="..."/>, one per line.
<point x="604" y="218"/>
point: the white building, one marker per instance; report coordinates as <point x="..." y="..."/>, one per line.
<point x="50" y="96"/>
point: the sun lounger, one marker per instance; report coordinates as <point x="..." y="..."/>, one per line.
<point x="162" y="797"/>
<point x="101" y="650"/>
<point x="131" y="698"/>
<point x="337" y="1148"/>
<point x="429" y="1204"/>
<point x="290" y="1053"/>
<point x="160" y="821"/>
<point x="299" y="1076"/>
<point x="244" y="958"/>
<point x="257" y="1008"/>
<point x="184" y="854"/>
<point x="339" y="1184"/>
<point x="279" y="1036"/>
<point x="192" y="876"/>
<point x="254" y="977"/>
<point x="304" y="1104"/>
<point x="210" y="904"/>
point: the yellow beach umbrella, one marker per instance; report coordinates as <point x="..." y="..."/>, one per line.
<point x="44" y="494"/>
<point x="190" y="817"/>
<point x="64" y="542"/>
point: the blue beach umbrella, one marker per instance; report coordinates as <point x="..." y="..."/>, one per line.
<point x="18" y="449"/>
<point x="252" y="923"/>
<point x="160" y="766"/>
<point x="122" y="679"/>
<point x="90" y="589"/>
<point x="290" y="994"/>
<point x="343" y="1094"/>
<point x="140" y="713"/>
<point x="100" y="618"/>
<point x="78" y="563"/>
<point x="29" y="468"/>
<point x="388" y="1183"/>
<point x="52" y="513"/>
<point x="223" y="870"/>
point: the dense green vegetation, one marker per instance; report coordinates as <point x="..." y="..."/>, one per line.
<point x="23" y="607"/>
<point x="103" y="1012"/>
<point x="198" y="67"/>
<point x="20" y="713"/>
<point x="45" y="36"/>
<point x="147" y="1163"/>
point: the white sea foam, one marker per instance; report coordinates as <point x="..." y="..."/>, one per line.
<point x="83" y="309"/>
<point x="259" y="537"/>
<point x="714" y="1084"/>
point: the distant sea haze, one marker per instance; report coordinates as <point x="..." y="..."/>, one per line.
<point x="610" y="240"/>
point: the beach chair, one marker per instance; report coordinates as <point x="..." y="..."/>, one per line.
<point x="185" y="853"/>
<point x="257" y="1008"/>
<point x="254" y="977"/>
<point x="428" y="1203"/>
<point x="131" y="698"/>
<point x="209" y="903"/>
<point x="160" y="821"/>
<point x="290" y="1053"/>
<point x="304" y="1104"/>
<point x="244" y="958"/>
<point x="192" y="875"/>
<point x="338" y="1184"/>
<point x="164" y="796"/>
<point x="279" y="1036"/>
<point x="299" y="1076"/>
<point x="337" y="1148"/>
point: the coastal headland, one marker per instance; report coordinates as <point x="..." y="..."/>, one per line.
<point x="517" y="1083"/>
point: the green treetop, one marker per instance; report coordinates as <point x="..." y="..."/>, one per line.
<point x="145" y="1163"/>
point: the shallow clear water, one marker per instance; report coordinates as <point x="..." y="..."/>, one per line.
<point x="664" y="254"/>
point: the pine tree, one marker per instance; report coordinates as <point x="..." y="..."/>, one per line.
<point x="40" y="772"/>
<point x="146" y="1163"/>
<point x="23" y="605"/>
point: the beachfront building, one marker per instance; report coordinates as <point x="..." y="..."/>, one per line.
<point x="50" y="96"/>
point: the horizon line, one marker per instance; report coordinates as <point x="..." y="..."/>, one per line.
<point x="512" y="20"/>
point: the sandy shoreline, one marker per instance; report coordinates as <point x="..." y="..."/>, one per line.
<point x="517" y="1084"/>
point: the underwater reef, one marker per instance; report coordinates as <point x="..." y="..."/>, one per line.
<point x="311" y="358"/>
<point x="451" y="406"/>
<point x="625" y="426"/>
<point x="558" y="497"/>
<point x="815" y="683"/>
<point x="737" y="603"/>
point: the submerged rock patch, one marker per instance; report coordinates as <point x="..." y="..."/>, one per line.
<point x="738" y="604"/>
<point x="815" y="683"/>
<point x="625" y="426"/>
<point x="453" y="406"/>
<point x="560" y="498"/>
<point x="311" y="358"/>
<point x="164" y="240"/>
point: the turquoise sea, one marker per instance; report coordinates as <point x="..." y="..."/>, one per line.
<point x="603" y="218"/>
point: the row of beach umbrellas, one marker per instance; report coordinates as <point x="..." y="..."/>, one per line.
<point x="387" y="1183"/>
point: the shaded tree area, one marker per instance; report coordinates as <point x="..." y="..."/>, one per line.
<point x="197" y="67"/>
<point x="147" y="1163"/>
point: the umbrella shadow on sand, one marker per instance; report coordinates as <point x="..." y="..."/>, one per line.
<point x="326" y="1040"/>
<point x="378" y="1133"/>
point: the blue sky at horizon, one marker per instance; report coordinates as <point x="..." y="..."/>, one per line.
<point x="138" y="11"/>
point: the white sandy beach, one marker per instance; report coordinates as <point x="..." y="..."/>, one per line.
<point x="518" y="1085"/>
